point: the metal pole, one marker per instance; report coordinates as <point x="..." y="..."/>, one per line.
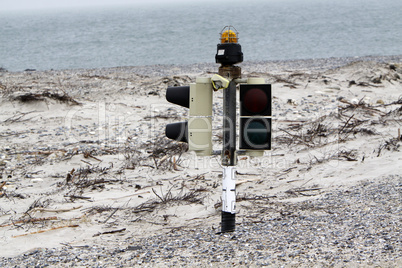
<point x="229" y="125"/>
<point x="229" y="159"/>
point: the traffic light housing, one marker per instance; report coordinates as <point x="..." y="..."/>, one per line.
<point x="197" y="131"/>
<point x="255" y="117"/>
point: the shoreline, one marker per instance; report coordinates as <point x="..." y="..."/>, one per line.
<point x="314" y="64"/>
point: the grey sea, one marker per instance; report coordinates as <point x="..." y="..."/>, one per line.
<point x="183" y="33"/>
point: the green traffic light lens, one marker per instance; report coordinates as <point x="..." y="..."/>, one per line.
<point x="256" y="133"/>
<point x="255" y="100"/>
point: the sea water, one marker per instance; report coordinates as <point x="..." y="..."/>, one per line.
<point x="188" y="32"/>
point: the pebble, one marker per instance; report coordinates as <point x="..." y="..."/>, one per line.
<point x="36" y="180"/>
<point x="317" y="232"/>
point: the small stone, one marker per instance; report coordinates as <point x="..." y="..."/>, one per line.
<point x="134" y="247"/>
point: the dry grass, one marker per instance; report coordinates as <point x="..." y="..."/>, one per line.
<point x="162" y="154"/>
<point x="32" y="97"/>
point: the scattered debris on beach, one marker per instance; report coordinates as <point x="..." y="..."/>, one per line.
<point x="85" y="166"/>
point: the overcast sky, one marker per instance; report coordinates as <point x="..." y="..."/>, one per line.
<point x="46" y="4"/>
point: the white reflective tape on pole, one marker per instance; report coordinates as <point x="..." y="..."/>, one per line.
<point x="229" y="189"/>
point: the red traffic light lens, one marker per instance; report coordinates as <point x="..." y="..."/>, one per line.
<point x="255" y="100"/>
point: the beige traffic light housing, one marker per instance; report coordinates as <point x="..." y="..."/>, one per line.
<point x="201" y="97"/>
<point x="200" y="122"/>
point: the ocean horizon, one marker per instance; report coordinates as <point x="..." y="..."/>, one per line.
<point x="187" y="33"/>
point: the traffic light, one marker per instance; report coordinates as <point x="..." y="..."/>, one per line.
<point x="255" y="116"/>
<point x="197" y="131"/>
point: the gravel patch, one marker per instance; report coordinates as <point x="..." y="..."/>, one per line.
<point x="349" y="226"/>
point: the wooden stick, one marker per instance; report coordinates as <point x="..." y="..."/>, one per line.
<point x="30" y="220"/>
<point x="340" y="131"/>
<point x="56" y="210"/>
<point x="306" y="190"/>
<point x="174" y="164"/>
<point x="51" y="229"/>
<point x="93" y="157"/>
<point x="111" y="232"/>
<point x="41" y="152"/>
<point x="115" y="210"/>
<point x="2" y="185"/>
<point x="248" y="180"/>
<point x="79" y="197"/>
<point x="163" y="159"/>
<point x="86" y="162"/>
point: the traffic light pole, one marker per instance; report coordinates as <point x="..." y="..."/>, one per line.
<point x="255" y="122"/>
<point x="229" y="158"/>
<point x="229" y="125"/>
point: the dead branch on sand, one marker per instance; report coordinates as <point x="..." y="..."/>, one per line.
<point x="33" y="97"/>
<point x="110" y="232"/>
<point x="30" y="220"/>
<point x="47" y="230"/>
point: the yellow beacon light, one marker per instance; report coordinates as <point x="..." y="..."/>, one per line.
<point x="228" y="36"/>
<point x="228" y="50"/>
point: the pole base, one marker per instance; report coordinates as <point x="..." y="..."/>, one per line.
<point x="228" y="222"/>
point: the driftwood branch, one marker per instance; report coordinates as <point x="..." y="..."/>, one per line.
<point x="29" y="220"/>
<point x="111" y="232"/>
<point x="114" y="211"/>
<point x="302" y="191"/>
<point x="55" y="210"/>
<point x="247" y="180"/>
<point x="47" y="230"/>
<point x="2" y="185"/>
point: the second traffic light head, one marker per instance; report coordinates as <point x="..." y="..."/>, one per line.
<point x="255" y="121"/>
<point x="197" y="132"/>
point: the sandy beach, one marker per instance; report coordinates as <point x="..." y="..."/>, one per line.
<point x="89" y="180"/>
